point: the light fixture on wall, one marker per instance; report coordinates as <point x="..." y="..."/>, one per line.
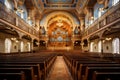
<point x="108" y="39"/>
<point x="101" y="9"/>
<point x="92" y="18"/>
<point x="13" y="39"/>
<point x="28" y="18"/>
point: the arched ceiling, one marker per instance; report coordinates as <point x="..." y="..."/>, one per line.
<point x="54" y="27"/>
<point x="72" y="6"/>
<point x="43" y="7"/>
<point x="60" y="3"/>
<point x="50" y="18"/>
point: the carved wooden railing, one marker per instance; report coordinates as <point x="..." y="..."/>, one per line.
<point x="11" y="17"/>
<point x="43" y="37"/>
<point x="108" y="17"/>
<point x="76" y="37"/>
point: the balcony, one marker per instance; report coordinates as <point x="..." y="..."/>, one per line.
<point x="76" y="37"/>
<point x="109" y="18"/>
<point x="44" y="37"/>
<point x="11" y="17"/>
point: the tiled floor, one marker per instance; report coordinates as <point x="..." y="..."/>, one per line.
<point x="59" y="71"/>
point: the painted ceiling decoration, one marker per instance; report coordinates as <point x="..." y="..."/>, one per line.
<point x="57" y="4"/>
<point x="59" y="1"/>
<point x="59" y="18"/>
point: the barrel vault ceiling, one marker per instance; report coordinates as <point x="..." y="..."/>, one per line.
<point x="72" y="6"/>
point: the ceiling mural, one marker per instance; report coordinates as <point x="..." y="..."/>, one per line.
<point x="59" y="1"/>
<point x="57" y="4"/>
<point x="48" y="19"/>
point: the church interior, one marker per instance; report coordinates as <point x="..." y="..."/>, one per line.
<point x="59" y="39"/>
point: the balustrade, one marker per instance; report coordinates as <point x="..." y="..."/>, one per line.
<point x="108" y="17"/>
<point x="11" y="17"/>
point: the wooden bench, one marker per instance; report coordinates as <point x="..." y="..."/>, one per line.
<point x="90" y="70"/>
<point x="29" y="73"/>
<point x="78" y="63"/>
<point x="83" y="67"/>
<point x="106" y="75"/>
<point x="36" y="68"/>
<point x="12" y="76"/>
<point x="45" y="61"/>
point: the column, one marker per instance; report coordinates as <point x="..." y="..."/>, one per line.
<point x="46" y="44"/>
<point x="101" y="46"/>
<point x="32" y="45"/>
<point x="82" y="22"/>
<point x="19" y="44"/>
<point x="88" y="44"/>
<point x="82" y="43"/>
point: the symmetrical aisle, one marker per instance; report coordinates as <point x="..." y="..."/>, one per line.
<point x="59" y="70"/>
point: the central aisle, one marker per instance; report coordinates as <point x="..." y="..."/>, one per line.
<point x="59" y="70"/>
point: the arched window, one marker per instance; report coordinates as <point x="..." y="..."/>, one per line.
<point x="116" y="46"/>
<point x="115" y="2"/>
<point x="99" y="46"/>
<point x="8" y="44"/>
<point x="91" y="46"/>
<point x="7" y="4"/>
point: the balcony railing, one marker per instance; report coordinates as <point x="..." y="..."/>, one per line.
<point x="108" y="17"/>
<point x="11" y="17"/>
<point x="76" y="37"/>
<point x="43" y="37"/>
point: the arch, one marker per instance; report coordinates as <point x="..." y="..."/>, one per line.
<point x="35" y="43"/>
<point x="27" y="37"/>
<point x="85" y="42"/>
<point x="77" y="43"/>
<point x="116" y="45"/>
<point x="42" y="43"/>
<point x="93" y="37"/>
<point x="8" y="45"/>
<point x="47" y="17"/>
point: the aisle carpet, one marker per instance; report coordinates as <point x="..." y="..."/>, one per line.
<point x="59" y="70"/>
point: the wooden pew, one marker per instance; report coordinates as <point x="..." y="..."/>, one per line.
<point x="83" y="67"/>
<point x="36" y="68"/>
<point x="45" y="61"/>
<point x="90" y="70"/>
<point x="106" y="75"/>
<point x="12" y="76"/>
<point x="29" y="73"/>
<point x="74" y="61"/>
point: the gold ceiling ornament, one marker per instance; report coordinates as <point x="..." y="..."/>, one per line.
<point x="59" y="23"/>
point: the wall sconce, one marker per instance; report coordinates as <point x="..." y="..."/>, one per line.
<point x="28" y="18"/>
<point x="92" y="18"/>
<point x="101" y="9"/>
<point x="108" y="39"/>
